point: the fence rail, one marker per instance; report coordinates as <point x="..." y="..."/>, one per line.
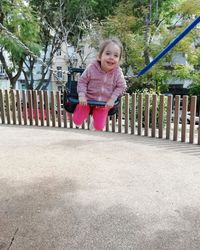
<point x="155" y="116"/>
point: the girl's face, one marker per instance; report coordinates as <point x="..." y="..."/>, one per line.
<point x="110" y="57"/>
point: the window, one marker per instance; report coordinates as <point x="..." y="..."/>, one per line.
<point x="58" y="52"/>
<point x="23" y="86"/>
<point x="2" y="70"/>
<point x="59" y="72"/>
<point x="60" y="88"/>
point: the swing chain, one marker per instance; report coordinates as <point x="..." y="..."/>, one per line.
<point x="22" y="45"/>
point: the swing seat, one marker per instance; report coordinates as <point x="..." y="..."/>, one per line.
<point x="70" y="97"/>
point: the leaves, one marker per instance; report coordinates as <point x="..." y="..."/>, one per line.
<point x="22" y="29"/>
<point x="191" y="7"/>
<point x="148" y="29"/>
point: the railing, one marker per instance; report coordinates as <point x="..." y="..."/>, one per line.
<point x="155" y="116"/>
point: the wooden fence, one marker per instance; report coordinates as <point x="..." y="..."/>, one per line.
<point x="140" y="114"/>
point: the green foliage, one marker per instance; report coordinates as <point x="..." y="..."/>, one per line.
<point x="146" y="31"/>
<point x="64" y="21"/>
<point x="194" y="88"/>
<point x="72" y="17"/>
<point x="21" y="22"/>
<point x="190" y="7"/>
<point x="144" y="27"/>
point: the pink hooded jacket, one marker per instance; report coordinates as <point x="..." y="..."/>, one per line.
<point x="98" y="85"/>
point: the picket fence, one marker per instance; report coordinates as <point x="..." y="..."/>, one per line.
<point x="140" y="114"/>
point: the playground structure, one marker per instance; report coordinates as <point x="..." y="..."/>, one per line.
<point x="70" y="93"/>
<point x="139" y="114"/>
<point x="54" y="198"/>
<point x="70" y="99"/>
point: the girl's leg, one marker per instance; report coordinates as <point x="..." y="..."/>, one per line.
<point x="81" y="113"/>
<point x="100" y="115"/>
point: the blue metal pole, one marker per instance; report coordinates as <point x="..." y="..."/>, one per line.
<point x="170" y="46"/>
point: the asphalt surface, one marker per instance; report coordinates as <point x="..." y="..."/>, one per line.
<point x="76" y="189"/>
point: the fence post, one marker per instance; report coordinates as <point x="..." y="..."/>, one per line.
<point x="46" y="110"/>
<point x="58" y="108"/>
<point x="199" y="129"/>
<point x="113" y="122"/>
<point x="35" y="107"/>
<point x="140" y="111"/>
<point x="13" y="101"/>
<point x="41" y="98"/>
<point x="7" y="99"/>
<point x="176" y="117"/>
<point x="53" y="109"/>
<point x="161" y="116"/>
<point x="65" y="118"/>
<point x="30" y="107"/>
<point x="169" y="116"/>
<point x="84" y="125"/>
<point x="24" y="107"/>
<point x="192" y="117"/>
<point x="108" y="124"/>
<point x="120" y="117"/>
<point x="126" y="112"/>
<point x="2" y="106"/>
<point x="19" y="108"/>
<point x="133" y="113"/>
<point x="154" y="116"/>
<point x="184" y="118"/>
<point x="146" y="116"/>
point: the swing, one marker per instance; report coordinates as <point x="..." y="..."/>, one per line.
<point x="70" y="98"/>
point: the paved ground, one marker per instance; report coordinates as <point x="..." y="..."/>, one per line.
<point x="75" y="189"/>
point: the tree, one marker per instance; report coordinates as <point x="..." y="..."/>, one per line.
<point x="62" y="21"/>
<point x="17" y="18"/>
<point x="137" y="24"/>
<point x="39" y="28"/>
<point x="154" y="25"/>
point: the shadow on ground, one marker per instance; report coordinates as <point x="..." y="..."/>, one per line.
<point x="174" y="146"/>
<point x="47" y="215"/>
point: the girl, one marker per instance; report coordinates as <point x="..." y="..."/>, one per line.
<point x="102" y="80"/>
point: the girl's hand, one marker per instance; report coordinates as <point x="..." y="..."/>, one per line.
<point x="82" y="100"/>
<point x="110" y="103"/>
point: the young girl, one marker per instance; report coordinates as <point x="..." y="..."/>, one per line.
<point x="102" y="80"/>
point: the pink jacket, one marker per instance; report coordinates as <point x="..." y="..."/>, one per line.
<point x="98" y="85"/>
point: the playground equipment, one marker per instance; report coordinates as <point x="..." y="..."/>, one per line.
<point x="70" y="99"/>
<point x="71" y="96"/>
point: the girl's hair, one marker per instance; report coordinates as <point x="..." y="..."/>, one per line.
<point x="106" y="42"/>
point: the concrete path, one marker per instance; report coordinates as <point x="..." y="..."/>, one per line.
<point x="70" y="189"/>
